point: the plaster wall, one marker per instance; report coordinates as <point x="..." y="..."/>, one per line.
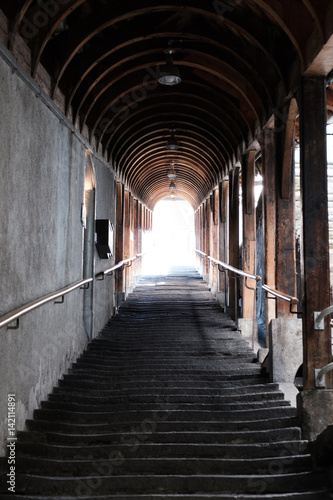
<point x="41" y="246"/>
<point x="105" y="209"/>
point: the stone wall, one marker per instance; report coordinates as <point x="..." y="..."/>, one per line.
<point x="42" y="245"/>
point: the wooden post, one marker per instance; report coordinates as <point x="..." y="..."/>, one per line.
<point x="201" y="233"/>
<point x="135" y="235"/>
<point x="316" y="343"/>
<point x="249" y="234"/>
<point x="197" y="235"/>
<point x="132" y="242"/>
<point x="233" y="232"/>
<point x="285" y="210"/>
<point x="214" y="235"/>
<point x="201" y="247"/>
<point x="139" y="216"/>
<point x="207" y="235"/>
<point x="269" y="197"/>
<point x="127" y="242"/>
<point x="119" y="250"/>
<point x="223" y="235"/>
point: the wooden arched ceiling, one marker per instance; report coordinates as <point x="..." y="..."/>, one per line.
<point x="238" y="59"/>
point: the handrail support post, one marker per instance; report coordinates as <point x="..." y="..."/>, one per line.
<point x="319" y="323"/>
<point x="16" y="326"/>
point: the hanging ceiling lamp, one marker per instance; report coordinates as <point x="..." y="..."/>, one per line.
<point x="170" y="73"/>
<point x="172" y="186"/>
<point x="172" y="143"/>
<point x="172" y="173"/>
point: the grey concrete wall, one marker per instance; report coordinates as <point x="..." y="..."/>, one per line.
<point x="41" y="245"/>
<point x="286" y="349"/>
<point x="105" y="209"/>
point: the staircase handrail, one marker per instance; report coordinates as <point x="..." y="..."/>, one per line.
<point x="319" y="317"/>
<point x="235" y="270"/>
<point x="16" y="314"/>
<point x="267" y="288"/>
<point x="118" y="266"/>
<point x="321" y="372"/>
<point x="203" y="254"/>
<point x="280" y="295"/>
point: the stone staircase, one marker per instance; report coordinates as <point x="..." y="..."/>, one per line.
<point x="168" y="403"/>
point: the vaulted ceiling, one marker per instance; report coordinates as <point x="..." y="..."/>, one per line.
<point x="239" y="60"/>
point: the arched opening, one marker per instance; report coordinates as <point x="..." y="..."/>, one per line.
<point x="173" y="236"/>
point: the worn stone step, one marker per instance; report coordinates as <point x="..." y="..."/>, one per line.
<point x="153" y="450"/>
<point x="217" y="337"/>
<point x="233" y="391"/>
<point x="96" y="398"/>
<point x="221" y="371"/>
<point x="98" y="381"/>
<point x="68" y="468"/>
<point x="161" y="413"/>
<point x="165" y="358"/>
<point x="303" y="481"/>
<point x="173" y="437"/>
<point x="167" y="406"/>
<point x="223" y="347"/>
<point x="123" y="345"/>
<point x="194" y="362"/>
<point x="318" y="495"/>
<point x="166" y="426"/>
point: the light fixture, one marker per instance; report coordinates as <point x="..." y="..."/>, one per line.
<point x="172" y="174"/>
<point x="170" y="73"/>
<point x="172" y="143"/>
<point x="172" y="186"/>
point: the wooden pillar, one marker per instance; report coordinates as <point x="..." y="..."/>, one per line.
<point x="127" y="222"/>
<point x="316" y="343"/>
<point x="200" y="239"/>
<point x="285" y="210"/>
<point x="223" y="235"/>
<point x="269" y="206"/>
<point x="135" y="227"/>
<point x="144" y="228"/>
<point x="136" y="270"/>
<point x="249" y="234"/>
<point x="233" y="232"/>
<point x="139" y="232"/>
<point x="201" y="228"/>
<point x="213" y="224"/>
<point x="127" y="242"/>
<point x="207" y="235"/>
<point x="132" y="253"/>
<point x="119" y="250"/>
<point x="197" y="234"/>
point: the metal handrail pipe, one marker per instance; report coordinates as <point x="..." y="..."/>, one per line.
<point x="280" y="295"/>
<point x="117" y="266"/>
<point x="201" y="253"/>
<point x="21" y="311"/>
<point x="235" y="270"/>
<point x="319" y="318"/>
<point x="323" y="371"/>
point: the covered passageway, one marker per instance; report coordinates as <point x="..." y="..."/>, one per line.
<point x="110" y="110"/>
